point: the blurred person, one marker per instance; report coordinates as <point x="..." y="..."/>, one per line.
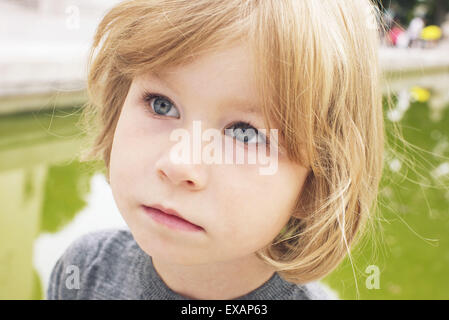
<point x="389" y="20"/>
<point x="397" y="36"/>
<point x="414" y="31"/>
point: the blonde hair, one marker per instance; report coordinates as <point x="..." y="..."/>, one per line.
<point x="318" y="74"/>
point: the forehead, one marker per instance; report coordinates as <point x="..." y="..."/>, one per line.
<point x="225" y="74"/>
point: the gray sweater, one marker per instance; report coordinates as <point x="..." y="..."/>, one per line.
<point x="109" y="264"/>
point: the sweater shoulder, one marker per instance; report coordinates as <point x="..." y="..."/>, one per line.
<point x="317" y="291"/>
<point x="88" y="258"/>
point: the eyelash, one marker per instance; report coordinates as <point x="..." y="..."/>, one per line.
<point x="148" y="96"/>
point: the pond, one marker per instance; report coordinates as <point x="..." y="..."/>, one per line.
<point x="48" y="199"/>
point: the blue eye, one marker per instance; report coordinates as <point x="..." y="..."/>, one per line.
<point x="246" y="133"/>
<point x="242" y="131"/>
<point x="161" y="105"/>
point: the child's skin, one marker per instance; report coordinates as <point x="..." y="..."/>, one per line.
<point x="239" y="209"/>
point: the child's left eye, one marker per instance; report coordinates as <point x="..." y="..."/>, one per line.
<point x="247" y="133"/>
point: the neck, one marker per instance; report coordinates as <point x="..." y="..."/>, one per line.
<point x="215" y="281"/>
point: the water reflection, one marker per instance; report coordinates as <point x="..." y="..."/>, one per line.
<point x="412" y="246"/>
<point x="49" y="199"/>
<point x="430" y="89"/>
<point x="42" y="189"/>
<point x="64" y="195"/>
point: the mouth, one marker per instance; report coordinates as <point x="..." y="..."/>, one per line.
<point x="170" y="218"/>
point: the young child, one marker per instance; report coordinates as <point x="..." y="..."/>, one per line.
<point x="306" y="68"/>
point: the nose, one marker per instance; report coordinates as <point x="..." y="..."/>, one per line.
<point x="189" y="175"/>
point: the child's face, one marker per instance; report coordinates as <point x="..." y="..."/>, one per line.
<point x="239" y="209"/>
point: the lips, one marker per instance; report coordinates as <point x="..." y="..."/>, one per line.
<point x="176" y="217"/>
<point x="167" y="211"/>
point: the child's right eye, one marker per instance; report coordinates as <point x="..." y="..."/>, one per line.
<point x="161" y="105"/>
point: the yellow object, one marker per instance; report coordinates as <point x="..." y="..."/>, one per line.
<point x="431" y="33"/>
<point x="420" y="94"/>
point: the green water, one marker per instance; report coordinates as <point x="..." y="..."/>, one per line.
<point x="411" y="245"/>
<point x="43" y="187"/>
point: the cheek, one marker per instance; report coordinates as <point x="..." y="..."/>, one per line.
<point x="122" y="156"/>
<point x="130" y="153"/>
<point x="120" y="176"/>
<point x="136" y="142"/>
<point x="255" y="207"/>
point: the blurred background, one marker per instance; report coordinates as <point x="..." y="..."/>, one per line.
<point x="48" y="198"/>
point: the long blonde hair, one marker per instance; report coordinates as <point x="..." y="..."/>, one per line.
<point x="318" y="74"/>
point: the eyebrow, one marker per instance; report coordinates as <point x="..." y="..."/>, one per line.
<point x="235" y="103"/>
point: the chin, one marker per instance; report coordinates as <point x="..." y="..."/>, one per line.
<point x="158" y="250"/>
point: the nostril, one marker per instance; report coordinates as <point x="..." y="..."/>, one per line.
<point x="162" y="174"/>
